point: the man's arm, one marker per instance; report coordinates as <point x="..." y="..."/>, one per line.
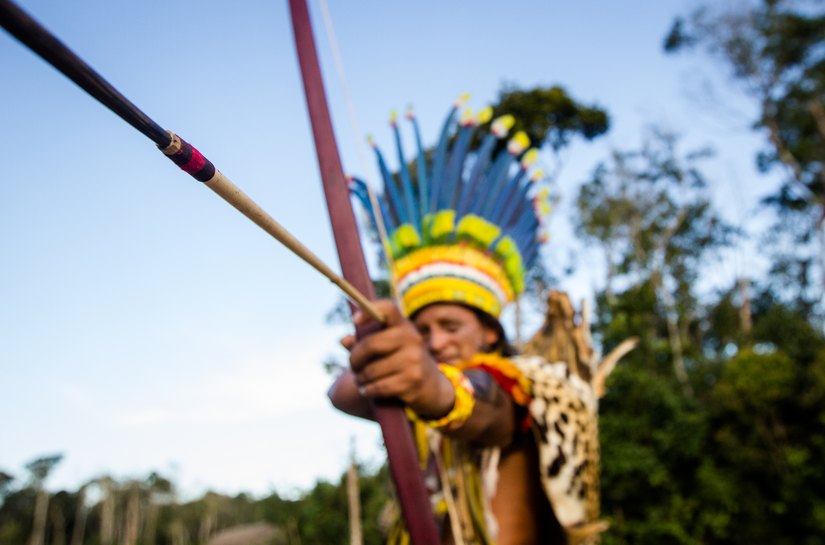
<point x="395" y="362"/>
<point x="493" y="422"/>
<point x="345" y="397"/>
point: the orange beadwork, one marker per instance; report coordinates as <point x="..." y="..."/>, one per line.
<point x="505" y="373"/>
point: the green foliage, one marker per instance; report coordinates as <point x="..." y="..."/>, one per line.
<point x="318" y="516"/>
<point x="725" y="448"/>
<point x="16" y="515"/>
<point x="649" y="213"/>
<point x="550" y="116"/>
<point x="740" y="462"/>
<point x="41" y="467"/>
<point x="717" y="472"/>
<point x="649" y="459"/>
<point x="767" y="413"/>
<point x="5" y="482"/>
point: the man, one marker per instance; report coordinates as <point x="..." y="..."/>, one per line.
<point x="459" y="245"/>
<point x="400" y="361"/>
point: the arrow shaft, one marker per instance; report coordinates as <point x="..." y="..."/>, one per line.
<point x="29" y="32"/>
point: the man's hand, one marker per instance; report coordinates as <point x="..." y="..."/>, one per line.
<point x="395" y="362"/>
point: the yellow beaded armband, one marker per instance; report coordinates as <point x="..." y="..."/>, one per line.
<point x="462" y="405"/>
<point x="464" y="400"/>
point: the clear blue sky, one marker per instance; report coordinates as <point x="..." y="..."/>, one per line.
<point x="146" y="325"/>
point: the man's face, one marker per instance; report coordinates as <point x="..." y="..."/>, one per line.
<point x="453" y="332"/>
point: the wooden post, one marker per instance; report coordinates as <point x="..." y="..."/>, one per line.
<point x="354" y="500"/>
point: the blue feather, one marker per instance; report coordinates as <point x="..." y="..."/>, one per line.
<point x="389" y="188"/>
<point x="482" y="160"/>
<point x="406" y="183"/>
<point x="440" y="159"/>
<point x="519" y="198"/>
<point x="452" y="176"/>
<point x="498" y="180"/>
<point x="501" y="162"/>
<point x="421" y="164"/>
<point x="506" y="195"/>
<point x="358" y="188"/>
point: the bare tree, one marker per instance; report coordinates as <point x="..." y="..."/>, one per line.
<point x="40" y="469"/>
<point x="107" y="511"/>
<point x="80" y="517"/>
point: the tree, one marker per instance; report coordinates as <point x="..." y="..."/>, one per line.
<point x="107" y="509"/>
<point x="551" y="117"/>
<point x="765" y="413"/>
<point x="80" y="517"/>
<point x="650" y="214"/>
<point x="39" y="470"/>
<point x="5" y="483"/>
<point x="159" y="490"/>
<point x="773" y="48"/>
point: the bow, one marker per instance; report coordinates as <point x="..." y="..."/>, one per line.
<point x="401" y="452"/>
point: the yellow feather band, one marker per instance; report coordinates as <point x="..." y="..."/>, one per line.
<point x="462" y="406"/>
<point x="450" y="290"/>
<point x="452" y="274"/>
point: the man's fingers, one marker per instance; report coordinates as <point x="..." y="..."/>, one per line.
<point x="348" y="341"/>
<point x="358" y="318"/>
<point x="382" y="369"/>
<point x="381" y="344"/>
<point x="385" y="387"/>
<point x="386" y="307"/>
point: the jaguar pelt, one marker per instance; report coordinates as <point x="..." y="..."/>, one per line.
<point x="564" y="411"/>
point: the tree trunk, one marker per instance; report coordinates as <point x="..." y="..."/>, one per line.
<point x="178" y="533"/>
<point x="41" y="509"/>
<point x="745" y="316"/>
<point x="107" y="513"/>
<point x="673" y="334"/>
<point x="58" y="532"/>
<point x="132" y="518"/>
<point x="151" y="527"/>
<point x="80" y="518"/>
<point x="209" y="520"/>
<point x="293" y="534"/>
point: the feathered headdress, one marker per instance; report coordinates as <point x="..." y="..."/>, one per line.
<point x="466" y="228"/>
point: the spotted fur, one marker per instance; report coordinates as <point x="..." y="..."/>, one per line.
<point x="564" y="412"/>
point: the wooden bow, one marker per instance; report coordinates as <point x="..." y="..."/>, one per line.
<point x="401" y="452"/>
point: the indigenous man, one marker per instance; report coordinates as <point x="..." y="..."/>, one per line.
<point x="498" y="436"/>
